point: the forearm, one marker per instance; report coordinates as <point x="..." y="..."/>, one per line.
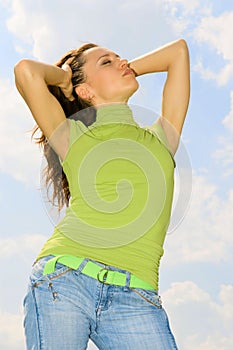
<point x="159" y="60"/>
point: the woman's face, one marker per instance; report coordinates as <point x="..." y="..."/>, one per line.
<point x="108" y="78"/>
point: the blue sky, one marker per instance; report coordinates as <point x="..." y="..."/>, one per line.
<point x="195" y="282"/>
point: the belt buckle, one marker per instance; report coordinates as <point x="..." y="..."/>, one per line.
<point x="104" y="276"/>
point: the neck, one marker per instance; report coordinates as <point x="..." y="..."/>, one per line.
<point x="106" y="104"/>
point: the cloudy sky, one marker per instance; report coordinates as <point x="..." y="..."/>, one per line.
<point x="195" y="283"/>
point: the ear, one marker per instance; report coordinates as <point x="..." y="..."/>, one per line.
<point x="84" y="91"/>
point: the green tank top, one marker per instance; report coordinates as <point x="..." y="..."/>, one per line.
<point x="120" y="178"/>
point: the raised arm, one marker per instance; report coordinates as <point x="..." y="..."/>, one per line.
<point x="172" y="58"/>
<point x="32" y="80"/>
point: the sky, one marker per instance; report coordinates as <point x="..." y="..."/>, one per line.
<point x="195" y="275"/>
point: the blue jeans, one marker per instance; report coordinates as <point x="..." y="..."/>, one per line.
<point x="66" y="308"/>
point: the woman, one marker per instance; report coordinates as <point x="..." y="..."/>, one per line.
<point x="97" y="276"/>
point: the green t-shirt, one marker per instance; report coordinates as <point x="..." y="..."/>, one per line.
<point x="120" y="178"/>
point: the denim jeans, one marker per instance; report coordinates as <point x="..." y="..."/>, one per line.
<point x="66" y="308"/>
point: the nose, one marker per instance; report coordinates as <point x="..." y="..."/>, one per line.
<point x="123" y="63"/>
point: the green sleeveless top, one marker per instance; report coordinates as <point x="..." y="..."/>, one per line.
<point x="120" y="178"/>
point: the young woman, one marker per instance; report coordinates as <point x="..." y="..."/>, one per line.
<point x="97" y="276"/>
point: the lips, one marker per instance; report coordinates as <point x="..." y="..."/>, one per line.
<point x="127" y="72"/>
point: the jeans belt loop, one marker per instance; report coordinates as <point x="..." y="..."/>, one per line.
<point x="82" y="265"/>
<point x="127" y="282"/>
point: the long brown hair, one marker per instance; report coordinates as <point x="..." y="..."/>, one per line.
<point x="53" y="173"/>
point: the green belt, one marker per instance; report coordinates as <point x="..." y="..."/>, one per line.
<point x="102" y="274"/>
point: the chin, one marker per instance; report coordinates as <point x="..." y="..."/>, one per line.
<point x="134" y="89"/>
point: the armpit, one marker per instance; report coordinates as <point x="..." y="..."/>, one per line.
<point x="59" y="140"/>
<point x="167" y="134"/>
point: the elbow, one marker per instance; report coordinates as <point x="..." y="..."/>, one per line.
<point x="183" y="43"/>
<point x="21" y="68"/>
<point x="183" y="46"/>
<point x="182" y="52"/>
<point x="23" y="75"/>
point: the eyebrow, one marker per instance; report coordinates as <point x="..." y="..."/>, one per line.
<point x="107" y="54"/>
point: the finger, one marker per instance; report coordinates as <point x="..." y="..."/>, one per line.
<point x="68" y="92"/>
<point x="66" y="65"/>
<point x="69" y="61"/>
<point x="68" y="95"/>
<point x="71" y="98"/>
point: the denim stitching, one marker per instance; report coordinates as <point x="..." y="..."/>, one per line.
<point x="148" y="300"/>
<point x="36" y="284"/>
<point x="37" y="321"/>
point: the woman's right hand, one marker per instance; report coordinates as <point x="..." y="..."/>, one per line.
<point x="67" y="86"/>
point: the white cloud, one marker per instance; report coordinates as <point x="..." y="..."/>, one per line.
<point x="194" y="19"/>
<point x="215" y="32"/>
<point x="199" y="321"/>
<point x="11" y="331"/>
<point x="183" y="15"/>
<point x="21" y="245"/>
<point x="20" y="158"/>
<point x="5" y="3"/>
<point x="188" y="7"/>
<point x="226" y="310"/>
<point x="91" y="346"/>
<point x="200" y="237"/>
<point x="54" y="32"/>
<point x="228" y="120"/>
<point x="224" y="153"/>
<point x="221" y="77"/>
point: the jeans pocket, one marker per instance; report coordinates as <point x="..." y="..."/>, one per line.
<point x="150" y="296"/>
<point x="37" y="276"/>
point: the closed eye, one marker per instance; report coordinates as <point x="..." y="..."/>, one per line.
<point x="106" y="62"/>
<point x="108" y="58"/>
